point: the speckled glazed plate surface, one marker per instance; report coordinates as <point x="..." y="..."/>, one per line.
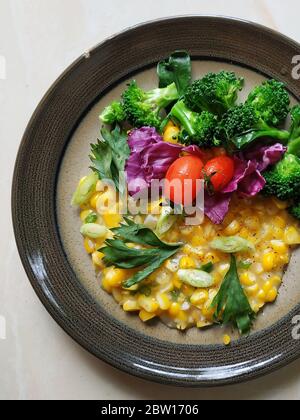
<point x="52" y="157"/>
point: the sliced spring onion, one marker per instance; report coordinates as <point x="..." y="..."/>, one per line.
<point x="232" y="244"/>
<point x="195" y="278"/>
<point x="166" y="220"/>
<point x="85" y="189"/>
<point x="93" y="230"/>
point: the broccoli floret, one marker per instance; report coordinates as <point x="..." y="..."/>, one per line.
<point x="143" y="108"/>
<point x="271" y="102"/>
<point x="216" y="92"/>
<point x="242" y="125"/>
<point x="294" y="140"/>
<point x="113" y="113"/>
<point x="295" y="210"/>
<point x="283" y="179"/>
<point x="197" y="128"/>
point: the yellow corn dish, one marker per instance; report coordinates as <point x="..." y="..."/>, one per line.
<point x="264" y="222"/>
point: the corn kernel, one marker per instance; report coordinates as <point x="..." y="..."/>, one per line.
<point x="284" y="259"/>
<point x="149" y="304"/>
<point x="117" y="294"/>
<point x="268" y="261"/>
<point x="115" y="276"/>
<point x="267" y="286"/>
<point x="226" y="340"/>
<point x="89" y="245"/>
<point x="112" y="220"/>
<point x="272" y="295"/>
<point x="146" y="316"/>
<point x="97" y="258"/>
<point x="279" y="246"/>
<point x="106" y="285"/>
<point x="131" y="306"/>
<point x="252" y="290"/>
<point x="94" y="199"/>
<point x="187" y="290"/>
<point x="182" y="316"/>
<point x="223" y="269"/>
<point x="247" y="279"/>
<point x="279" y="222"/>
<point x="163" y="301"/>
<point x="292" y="236"/>
<point x="244" y="233"/>
<point x="176" y="282"/>
<point x="233" y="228"/>
<point x="199" y="297"/>
<point x="174" y="309"/>
<point x="261" y="295"/>
<point x="187" y="262"/>
<point x="84" y="214"/>
<point x="275" y="280"/>
<point x="208" y="312"/>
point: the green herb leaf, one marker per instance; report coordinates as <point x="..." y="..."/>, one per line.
<point x="231" y="303"/>
<point x="232" y="244"/>
<point x="145" y="290"/>
<point x="177" y="68"/>
<point x="119" y="254"/>
<point x="109" y="156"/>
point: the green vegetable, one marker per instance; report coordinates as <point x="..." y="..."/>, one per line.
<point x="177" y="68"/>
<point x="197" y="129"/>
<point x="271" y="102"/>
<point x="85" y="190"/>
<point x="166" y="220"/>
<point x="208" y="268"/>
<point x="244" y="264"/>
<point x="143" y="108"/>
<point x="294" y="140"/>
<point x="232" y="244"/>
<point x="91" y="218"/>
<point x="119" y="254"/>
<point x="242" y="125"/>
<point x="215" y="92"/>
<point x="231" y="303"/>
<point x="195" y="278"/>
<point x="93" y="230"/>
<point x="283" y="179"/>
<point x="113" y="113"/>
<point x="109" y="156"/>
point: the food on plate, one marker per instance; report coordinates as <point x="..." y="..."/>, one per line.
<point x="161" y="152"/>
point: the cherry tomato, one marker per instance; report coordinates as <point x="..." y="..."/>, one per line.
<point x="183" y="174"/>
<point x="219" y="172"/>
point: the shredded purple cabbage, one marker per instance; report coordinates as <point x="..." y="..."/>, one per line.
<point x="150" y="158"/>
<point x="247" y="181"/>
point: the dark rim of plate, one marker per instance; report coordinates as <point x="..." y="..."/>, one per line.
<point x="34" y="189"/>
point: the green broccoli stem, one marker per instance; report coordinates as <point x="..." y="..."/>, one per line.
<point x="184" y="116"/>
<point x="162" y="97"/>
<point x="294" y="147"/>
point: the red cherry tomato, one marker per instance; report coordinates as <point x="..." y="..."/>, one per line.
<point x="182" y="178"/>
<point x="219" y="172"/>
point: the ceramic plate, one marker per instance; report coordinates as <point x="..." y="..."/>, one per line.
<point x="53" y="155"/>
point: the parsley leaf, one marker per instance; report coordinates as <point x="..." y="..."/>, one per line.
<point x="119" y="254"/>
<point x="109" y="156"/>
<point x="231" y="303"/>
